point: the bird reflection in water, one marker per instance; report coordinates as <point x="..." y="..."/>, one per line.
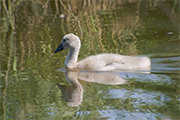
<point x="73" y="94"/>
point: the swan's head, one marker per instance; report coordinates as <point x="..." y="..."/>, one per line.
<point x="69" y="41"/>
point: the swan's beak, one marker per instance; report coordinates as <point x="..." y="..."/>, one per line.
<point x="59" y="48"/>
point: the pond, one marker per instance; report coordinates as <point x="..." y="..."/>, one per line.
<point x="34" y="87"/>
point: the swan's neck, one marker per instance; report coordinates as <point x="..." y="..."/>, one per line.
<point x="71" y="59"/>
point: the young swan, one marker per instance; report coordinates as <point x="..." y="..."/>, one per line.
<point x="101" y="62"/>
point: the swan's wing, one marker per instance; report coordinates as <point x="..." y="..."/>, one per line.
<point x="113" y="58"/>
<point x="101" y="62"/>
<point x="115" y="62"/>
<point x="112" y="62"/>
<point x="111" y="66"/>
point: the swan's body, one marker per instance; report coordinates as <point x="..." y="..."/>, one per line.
<point x="100" y="61"/>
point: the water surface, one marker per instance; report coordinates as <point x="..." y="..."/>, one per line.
<point x="33" y="87"/>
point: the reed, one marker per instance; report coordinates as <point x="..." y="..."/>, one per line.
<point x="8" y="8"/>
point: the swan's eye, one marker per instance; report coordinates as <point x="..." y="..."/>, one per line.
<point x="64" y="40"/>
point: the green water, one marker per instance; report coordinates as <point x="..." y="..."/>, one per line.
<point x="33" y="88"/>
